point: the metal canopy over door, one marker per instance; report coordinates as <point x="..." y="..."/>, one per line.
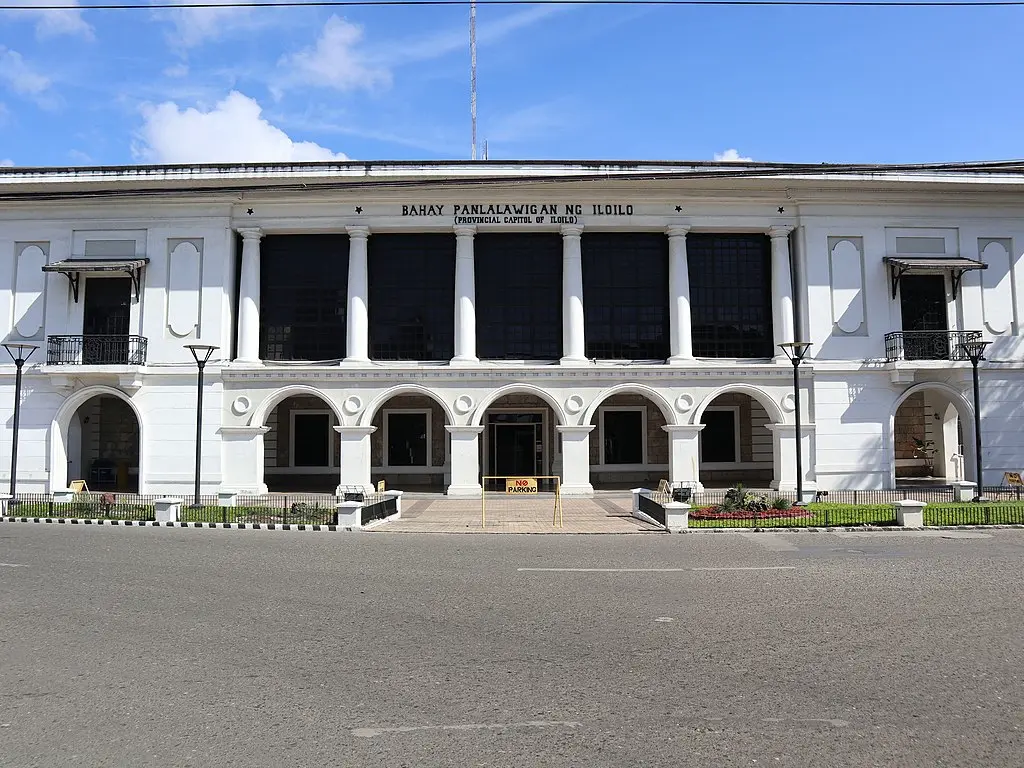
<point x="923" y="307"/>
<point x="105" y="321"/>
<point x="515" y="444"/>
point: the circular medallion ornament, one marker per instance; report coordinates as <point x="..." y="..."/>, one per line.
<point x="240" y="406"/>
<point x="574" y="404"/>
<point x="684" y="403"/>
<point x="463" y="404"/>
<point x="352" y="405"/>
<point x="788" y="402"/>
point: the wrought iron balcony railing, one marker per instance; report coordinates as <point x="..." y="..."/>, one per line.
<point x="96" y="350"/>
<point x="928" y="345"/>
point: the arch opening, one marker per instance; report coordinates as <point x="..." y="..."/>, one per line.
<point x="98" y="439"/>
<point x="932" y="438"/>
<point x="410" y="448"/>
<point x="735" y="445"/>
<point x="302" y="450"/>
<point x="628" y="447"/>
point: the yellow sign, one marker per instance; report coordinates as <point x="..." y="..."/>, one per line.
<point x="521" y="485"/>
<point x="380" y="486"/>
<point x="1012" y="478"/>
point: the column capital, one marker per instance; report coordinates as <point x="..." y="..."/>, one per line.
<point x="464" y="230"/>
<point x="677" y="230"/>
<point x="250" y="233"/>
<point x="571" y="230"/>
<point x="780" y="230"/>
<point x="358" y="232"/>
<point x="575" y="430"/>
<point x="355" y="431"/>
<point x="684" y="430"/>
<point x="461" y="429"/>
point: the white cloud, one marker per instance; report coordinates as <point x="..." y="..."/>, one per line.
<point x="50" y="23"/>
<point x="336" y="60"/>
<point x="19" y="75"/>
<point x="731" y="156"/>
<point x="233" y="131"/>
<point x="176" y="70"/>
<point x="195" y="26"/>
<point x="6" y="163"/>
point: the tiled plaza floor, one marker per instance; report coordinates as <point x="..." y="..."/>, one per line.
<point x="439" y="514"/>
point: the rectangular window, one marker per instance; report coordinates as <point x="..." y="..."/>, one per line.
<point x="408" y="441"/>
<point x="519" y="295"/>
<point x="730" y="294"/>
<point x="622" y="434"/>
<point x="412" y="296"/>
<point x="718" y="440"/>
<point x="303" y="297"/>
<point x="625" y="295"/>
<point x="311" y="439"/>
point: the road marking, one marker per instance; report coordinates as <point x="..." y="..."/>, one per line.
<point x="750" y="568"/>
<point x="940" y="534"/>
<point x="664" y="618"/>
<point x="772" y="541"/>
<point x="13" y="565"/>
<point x="369" y="733"/>
<point x="662" y="570"/>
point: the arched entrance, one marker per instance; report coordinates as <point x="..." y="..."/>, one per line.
<point x="97" y="437"/>
<point x="932" y="437"/>
<point x="302" y="450"/>
<point x="628" y="445"/>
<point x="736" y="445"/>
<point x="519" y="436"/>
<point x="409" y="448"/>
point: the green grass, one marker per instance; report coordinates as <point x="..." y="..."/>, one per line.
<point x="970" y="513"/>
<point x="206" y="514"/>
<point x="816" y="516"/>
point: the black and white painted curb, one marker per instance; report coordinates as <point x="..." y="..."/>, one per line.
<point x="154" y="524"/>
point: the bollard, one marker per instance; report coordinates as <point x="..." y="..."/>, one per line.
<point x="168" y="510"/>
<point x="677" y="516"/>
<point x="347" y="514"/>
<point x="910" y="513"/>
<point x="964" y="490"/>
<point x="64" y="497"/>
<point x="636" y="499"/>
<point x="5" y="500"/>
<point x="227" y="498"/>
<point x="397" y="496"/>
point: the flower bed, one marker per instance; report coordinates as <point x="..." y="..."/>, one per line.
<point x="717" y="513"/>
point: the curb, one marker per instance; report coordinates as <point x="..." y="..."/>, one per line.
<point x="154" y="524"/>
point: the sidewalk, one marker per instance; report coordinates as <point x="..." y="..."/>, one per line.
<point x="603" y="514"/>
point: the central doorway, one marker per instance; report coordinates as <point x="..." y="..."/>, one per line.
<point x="515" y="443"/>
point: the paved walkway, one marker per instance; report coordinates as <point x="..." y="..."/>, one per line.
<point x="439" y="514"/>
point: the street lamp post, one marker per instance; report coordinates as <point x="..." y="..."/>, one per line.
<point x="796" y="351"/>
<point x="975" y="351"/>
<point x="19" y="353"/>
<point x="201" y="353"/>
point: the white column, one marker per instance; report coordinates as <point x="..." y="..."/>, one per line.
<point x="574" y="348"/>
<point x="249" y="297"/>
<point x="576" y="460"/>
<point x="782" y="289"/>
<point x="355" y="457"/>
<point x="241" y="450"/>
<point x="465" y="297"/>
<point x="680" y="323"/>
<point x="784" y="457"/>
<point x="465" y="460"/>
<point x="358" y="322"/>
<point x="684" y="454"/>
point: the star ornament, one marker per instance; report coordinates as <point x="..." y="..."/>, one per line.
<point x="359" y="209"/>
<point x="249" y="211"/>
<point x="679" y="209"/>
<point x="781" y="209"/>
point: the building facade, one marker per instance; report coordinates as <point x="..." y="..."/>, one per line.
<point x="433" y="324"/>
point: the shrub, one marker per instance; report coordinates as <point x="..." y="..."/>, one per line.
<point x="781" y="503"/>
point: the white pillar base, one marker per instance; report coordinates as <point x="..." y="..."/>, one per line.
<point x="463" y="362"/>
<point x="784" y="457"/>
<point x="576" y="460"/>
<point x="683" y="454"/>
<point x="465" y="461"/>
<point x="355" y="458"/>
<point x="680" y="360"/>
<point x="242" y="458"/>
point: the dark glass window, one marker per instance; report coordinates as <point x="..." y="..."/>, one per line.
<point x="730" y="295"/>
<point x="407" y="439"/>
<point x="625" y="295"/>
<point x="623" y="437"/>
<point x="519" y="295"/>
<point x="312" y="439"/>
<point x="412" y="296"/>
<point x="303" y="297"/>
<point x="718" y="438"/>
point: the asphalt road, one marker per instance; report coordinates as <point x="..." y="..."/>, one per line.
<point x="164" y="647"/>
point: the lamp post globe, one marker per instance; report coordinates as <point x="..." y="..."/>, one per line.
<point x="796" y="351"/>
<point x="975" y="351"/>
<point x="201" y="353"/>
<point x="20" y="352"/>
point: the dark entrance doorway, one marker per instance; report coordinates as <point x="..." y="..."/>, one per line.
<point x="105" y="321"/>
<point x="925" y="319"/>
<point x="516" y="444"/>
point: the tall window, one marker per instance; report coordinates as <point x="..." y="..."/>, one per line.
<point x="303" y="297"/>
<point x="625" y="295"/>
<point x="311" y="439"/>
<point x="408" y="439"/>
<point x="622" y="432"/>
<point x="412" y="296"/>
<point x="730" y="294"/>
<point x="718" y="439"/>
<point x="519" y="295"/>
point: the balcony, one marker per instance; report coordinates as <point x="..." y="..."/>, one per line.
<point x="928" y="345"/>
<point x="96" y="350"/>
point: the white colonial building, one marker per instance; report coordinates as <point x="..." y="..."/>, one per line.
<point x="433" y="323"/>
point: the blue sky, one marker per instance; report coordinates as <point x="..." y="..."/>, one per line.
<point x="619" y="82"/>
